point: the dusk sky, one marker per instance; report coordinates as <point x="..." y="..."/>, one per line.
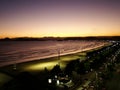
<point x="59" y="18"/>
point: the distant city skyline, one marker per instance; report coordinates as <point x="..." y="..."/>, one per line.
<point x="59" y="18"/>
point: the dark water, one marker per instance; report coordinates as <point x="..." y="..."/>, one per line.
<point x="21" y="51"/>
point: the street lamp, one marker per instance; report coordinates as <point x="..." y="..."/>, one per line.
<point x="59" y="52"/>
<point x="59" y="57"/>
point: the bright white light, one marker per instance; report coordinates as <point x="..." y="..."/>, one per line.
<point x="58" y="82"/>
<point x="55" y="76"/>
<point x="49" y="80"/>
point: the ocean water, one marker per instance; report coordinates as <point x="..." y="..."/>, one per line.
<point x="21" y="51"/>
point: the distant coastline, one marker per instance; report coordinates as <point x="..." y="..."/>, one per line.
<point x="61" y="38"/>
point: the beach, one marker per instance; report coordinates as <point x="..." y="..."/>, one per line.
<point x="68" y="50"/>
<point x="21" y="51"/>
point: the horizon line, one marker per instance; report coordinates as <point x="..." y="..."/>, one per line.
<point x="60" y="37"/>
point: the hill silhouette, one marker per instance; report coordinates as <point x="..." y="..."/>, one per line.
<point x="61" y="38"/>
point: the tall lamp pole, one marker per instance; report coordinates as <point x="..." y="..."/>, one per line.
<point x="59" y="57"/>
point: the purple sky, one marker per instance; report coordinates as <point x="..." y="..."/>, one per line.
<point x="38" y="18"/>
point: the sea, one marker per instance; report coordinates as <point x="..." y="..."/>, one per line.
<point x="12" y="52"/>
